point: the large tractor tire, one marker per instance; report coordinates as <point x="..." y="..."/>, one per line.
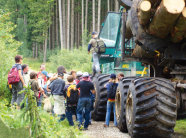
<point x="121" y="96"/>
<point x="99" y="111"/>
<point x="151" y="109"/>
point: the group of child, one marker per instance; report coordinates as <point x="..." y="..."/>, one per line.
<point x="70" y="96"/>
<point x="73" y="94"/>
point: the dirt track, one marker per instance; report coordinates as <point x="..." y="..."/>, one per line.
<point x="96" y="130"/>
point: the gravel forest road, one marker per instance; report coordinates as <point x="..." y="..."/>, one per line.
<point x="96" y="130"/>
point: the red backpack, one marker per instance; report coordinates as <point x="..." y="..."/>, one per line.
<point x="13" y="76"/>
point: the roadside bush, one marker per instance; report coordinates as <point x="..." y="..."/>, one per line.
<point x="33" y="121"/>
<point x="77" y="59"/>
<point x="8" y="49"/>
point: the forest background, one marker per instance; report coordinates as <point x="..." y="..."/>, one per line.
<point x="52" y="31"/>
<point x="46" y="25"/>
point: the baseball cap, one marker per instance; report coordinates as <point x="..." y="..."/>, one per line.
<point x="113" y="76"/>
<point x="61" y="69"/>
<point x="79" y="73"/>
<point x="45" y="73"/>
<point x="85" y="74"/>
<point x="94" y="33"/>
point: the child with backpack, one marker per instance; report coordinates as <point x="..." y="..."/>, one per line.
<point x="15" y="77"/>
<point x="72" y="96"/>
<point x="111" y="93"/>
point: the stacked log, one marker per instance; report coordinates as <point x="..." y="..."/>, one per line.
<point x="140" y="52"/>
<point x="165" y="17"/>
<point x="128" y="33"/>
<point x="179" y="30"/>
<point x="144" y="12"/>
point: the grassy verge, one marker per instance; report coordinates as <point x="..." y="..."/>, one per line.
<point x="181" y="127"/>
<point x="13" y="125"/>
<point x="34" y="64"/>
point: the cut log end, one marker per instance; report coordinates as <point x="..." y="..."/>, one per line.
<point x="144" y="12"/>
<point x="145" y="6"/>
<point x="174" y="6"/>
<point x="165" y="17"/>
<point x="184" y="12"/>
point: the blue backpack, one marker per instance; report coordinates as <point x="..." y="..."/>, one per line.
<point x="112" y="91"/>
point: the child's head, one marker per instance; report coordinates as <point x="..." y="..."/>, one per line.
<point x="113" y="77"/>
<point x="42" y="67"/>
<point x="70" y="79"/>
<point x="18" y="59"/>
<point x="44" y="74"/>
<point x="73" y="73"/>
<point x="33" y="75"/>
<point x="120" y="76"/>
<point x="61" y="69"/>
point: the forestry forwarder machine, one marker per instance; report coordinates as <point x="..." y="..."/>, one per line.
<point x="146" y="40"/>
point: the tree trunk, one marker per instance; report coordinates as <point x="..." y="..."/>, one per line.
<point x="61" y="26"/>
<point x="144" y="12"/>
<point x="53" y="29"/>
<point x="99" y="15"/>
<point x="72" y="25"/>
<point x="68" y="26"/>
<point x="116" y="6"/>
<point x="36" y="50"/>
<point x="108" y="5"/>
<point x="49" y="36"/>
<point x="165" y="17"/>
<point x="179" y="30"/>
<point x="82" y="20"/>
<point x="93" y="15"/>
<point x="64" y="24"/>
<point x="86" y="15"/>
<point x="78" y="31"/>
<point x="33" y="50"/>
<point x="45" y="50"/>
<point x="25" y="23"/>
<point x="57" y="25"/>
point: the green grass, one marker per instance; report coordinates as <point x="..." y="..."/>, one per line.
<point x="181" y="127"/>
<point x="34" y="64"/>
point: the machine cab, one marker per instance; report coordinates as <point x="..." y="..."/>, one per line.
<point x="110" y="32"/>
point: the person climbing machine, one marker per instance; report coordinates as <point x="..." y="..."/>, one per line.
<point x="111" y="93"/>
<point x="96" y="47"/>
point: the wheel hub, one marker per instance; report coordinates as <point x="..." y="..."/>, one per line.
<point x="129" y="107"/>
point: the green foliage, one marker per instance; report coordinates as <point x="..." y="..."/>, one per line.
<point x="39" y="18"/>
<point x="30" y="112"/>
<point x="8" y="50"/>
<point x="33" y="120"/>
<point x="77" y="59"/>
<point x="181" y="127"/>
<point x="10" y="115"/>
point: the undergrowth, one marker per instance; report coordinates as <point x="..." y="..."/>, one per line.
<point x="33" y="121"/>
